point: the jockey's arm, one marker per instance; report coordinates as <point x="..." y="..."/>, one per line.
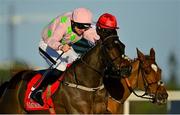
<point x="54" y="40"/>
<point x="91" y="35"/>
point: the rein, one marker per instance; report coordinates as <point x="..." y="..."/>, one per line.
<point x="97" y="71"/>
<point x="133" y="91"/>
<point x="146" y="86"/>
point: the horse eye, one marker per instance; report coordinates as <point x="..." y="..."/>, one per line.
<point x="154" y="67"/>
<point x="147" y="71"/>
<point x="161" y="83"/>
<point x="98" y="27"/>
<point x="116" y="42"/>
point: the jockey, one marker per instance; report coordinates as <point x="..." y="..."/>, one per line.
<point x="57" y="39"/>
<point x="107" y="26"/>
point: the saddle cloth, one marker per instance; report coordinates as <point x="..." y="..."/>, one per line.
<point x="30" y="104"/>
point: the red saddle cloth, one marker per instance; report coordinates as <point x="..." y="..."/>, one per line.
<point x="46" y="96"/>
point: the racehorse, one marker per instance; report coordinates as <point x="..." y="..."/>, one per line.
<point x="145" y="76"/>
<point x="81" y="90"/>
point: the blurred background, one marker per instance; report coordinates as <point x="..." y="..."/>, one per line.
<point x="144" y="24"/>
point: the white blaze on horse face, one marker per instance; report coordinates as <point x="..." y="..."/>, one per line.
<point x="154" y="67"/>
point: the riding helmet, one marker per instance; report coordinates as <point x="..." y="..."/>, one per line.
<point x="107" y="21"/>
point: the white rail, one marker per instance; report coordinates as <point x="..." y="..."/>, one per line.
<point x="172" y="96"/>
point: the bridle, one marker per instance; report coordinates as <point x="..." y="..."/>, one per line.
<point x="146" y="85"/>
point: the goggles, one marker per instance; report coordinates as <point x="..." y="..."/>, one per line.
<point x="82" y="25"/>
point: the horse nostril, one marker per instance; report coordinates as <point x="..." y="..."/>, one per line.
<point x="161" y="83"/>
<point x="165" y="96"/>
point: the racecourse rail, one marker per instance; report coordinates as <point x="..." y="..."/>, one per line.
<point x="172" y="96"/>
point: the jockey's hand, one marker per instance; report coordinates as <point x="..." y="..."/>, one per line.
<point x="91" y="35"/>
<point x="126" y="71"/>
<point x="65" y="48"/>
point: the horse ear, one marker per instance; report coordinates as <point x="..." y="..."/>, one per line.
<point x="140" y="54"/>
<point x="152" y="53"/>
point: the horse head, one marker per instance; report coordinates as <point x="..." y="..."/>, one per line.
<point x="113" y="50"/>
<point x="148" y="78"/>
<point x="145" y="75"/>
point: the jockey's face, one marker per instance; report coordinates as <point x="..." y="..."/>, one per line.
<point x="80" y="28"/>
<point x="79" y="31"/>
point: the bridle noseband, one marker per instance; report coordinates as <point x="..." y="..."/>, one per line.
<point x="146" y="85"/>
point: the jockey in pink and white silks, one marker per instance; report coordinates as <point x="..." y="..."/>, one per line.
<point x="57" y="38"/>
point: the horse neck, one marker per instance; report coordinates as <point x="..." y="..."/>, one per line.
<point x="136" y="77"/>
<point x="89" y="68"/>
<point x="94" y="58"/>
<point x="133" y="79"/>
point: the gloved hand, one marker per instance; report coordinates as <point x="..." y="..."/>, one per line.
<point x="125" y="66"/>
<point x="126" y="58"/>
<point x="91" y="35"/>
<point x="126" y="71"/>
<point x="65" y="48"/>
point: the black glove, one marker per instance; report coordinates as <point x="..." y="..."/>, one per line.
<point x="126" y="71"/>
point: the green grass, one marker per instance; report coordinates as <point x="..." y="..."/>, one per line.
<point x="145" y="107"/>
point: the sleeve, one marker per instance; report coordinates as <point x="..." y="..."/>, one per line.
<point x="91" y="35"/>
<point x="55" y="32"/>
<point x="82" y="46"/>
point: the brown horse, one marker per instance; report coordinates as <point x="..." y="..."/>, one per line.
<point x="145" y="76"/>
<point x="82" y="89"/>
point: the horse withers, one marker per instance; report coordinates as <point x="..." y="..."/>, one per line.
<point x="145" y="76"/>
<point x="82" y="89"/>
